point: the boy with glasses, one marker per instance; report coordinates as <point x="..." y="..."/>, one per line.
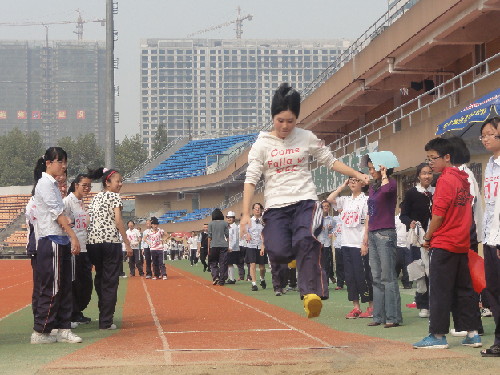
<point x="448" y="241"/>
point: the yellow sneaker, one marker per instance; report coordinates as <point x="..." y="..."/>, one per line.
<point x="312" y="305"/>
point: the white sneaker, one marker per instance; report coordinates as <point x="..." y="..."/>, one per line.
<point x="111" y="327"/>
<point x="42" y="338"/>
<point x="485" y="312"/>
<point x="65" y="335"/>
<point x="458" y="333"/>
<point x="54" y="332"/>
<point x="424" y="313"/>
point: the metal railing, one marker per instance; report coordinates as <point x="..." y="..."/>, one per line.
<point x="153" y="157"/>
<point x="227" y="159"/>
<point x="446" y="90"/>
<point x="233" y="199"/>
<point x="397" y="9"/>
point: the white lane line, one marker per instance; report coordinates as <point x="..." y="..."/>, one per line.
<point x="17" y="275"/>
<point x="258" y="349"/>
<point x="12" y="286"/>
<point x="12" y="313"/>
<point x="317" y="339"/>
<point x="166" y="350"/>
<point x="235" y="330"/>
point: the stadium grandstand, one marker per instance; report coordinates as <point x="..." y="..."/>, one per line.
<point x="416" y="66"/>
<point x="13" y="228"/>
<point x="194" y="158"/>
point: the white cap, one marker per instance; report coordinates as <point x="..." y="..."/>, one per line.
<point x="231" y="214"/>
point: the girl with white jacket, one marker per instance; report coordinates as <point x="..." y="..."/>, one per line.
<point x="293" y="215"/>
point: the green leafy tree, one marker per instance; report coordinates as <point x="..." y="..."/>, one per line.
<point x="129" y="154"/>
<point x="83" y="153"/>
<point x="19" y="151"/>
<point x="161" y="139"/>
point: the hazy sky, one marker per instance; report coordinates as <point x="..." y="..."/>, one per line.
<point x="279" y="19"/>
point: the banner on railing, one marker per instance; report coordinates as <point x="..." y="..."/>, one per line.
<point x="326" y="180"/>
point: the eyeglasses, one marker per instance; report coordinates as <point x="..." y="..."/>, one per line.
<point x="432" y="159"/>
<point x="354" y="180"/>
<point x="481" y="137"/>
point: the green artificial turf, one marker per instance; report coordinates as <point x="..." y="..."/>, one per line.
<point x="337" y="306"/>
<point x="20" y="357"/>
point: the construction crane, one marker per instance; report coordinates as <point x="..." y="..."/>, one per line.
<point x="79" y="24"/>
<point x="238" y="21"/>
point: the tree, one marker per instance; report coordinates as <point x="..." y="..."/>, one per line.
<point x="129" y="154"/>
<point x="19" y="151"/>
<point x="83" y="153"/>
<point x="161" y="139"/>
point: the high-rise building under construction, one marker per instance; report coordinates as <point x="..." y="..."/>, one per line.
<point x="209" y="88"/>
<point x="55" y="88"/>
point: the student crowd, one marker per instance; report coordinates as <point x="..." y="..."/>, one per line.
<point x="441" y="220"/>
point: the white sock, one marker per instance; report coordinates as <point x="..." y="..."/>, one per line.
<point x="254" y="283"/>
<point x="471" y="334"/>
<point x="230" y="273"/>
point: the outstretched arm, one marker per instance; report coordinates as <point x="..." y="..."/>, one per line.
<point x="340" y="167"/>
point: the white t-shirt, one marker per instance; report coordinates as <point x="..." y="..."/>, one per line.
<point x="234" y="237"/>
<point x="255" y="230"/>
<point x="144" y="244"/>
<point x="155" y="239"/>
<point x="134" y="236"/>
<point x="491" y="191"/>
<point x="401" y="232"/>
<point x="337" y="232"/>
<point x="193" y="243"/>
<point x="75" y="211"/>
<point x="354" y="211"/>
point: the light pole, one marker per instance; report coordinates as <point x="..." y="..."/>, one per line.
<point x="109" y="150"/>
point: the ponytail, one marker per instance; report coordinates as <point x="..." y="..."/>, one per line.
<point x="51" y="154"/>
<point x="107" y="173"/>
<point x="91" y="174"/>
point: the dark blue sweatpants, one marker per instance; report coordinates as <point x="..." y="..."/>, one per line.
<point x="290" y="233"/>
<point x="52" y="286"/>
<point x="358" y="275"/>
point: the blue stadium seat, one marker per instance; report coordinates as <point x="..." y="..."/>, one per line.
<point x="190" y="160"/>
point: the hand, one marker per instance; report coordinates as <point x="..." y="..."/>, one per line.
<point x="364" y="178"/>
<point x="130" y="252"/>
<point x="244" y="223"/>
<point x="413" y="224"/>
<point x="345" y="184"/>
<point x="426" y="245"/>
<point x="75" y="245"/>
<point x="364" y="249"/>
<point x="261" y="252"/>
<point x="383" y="171"/>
